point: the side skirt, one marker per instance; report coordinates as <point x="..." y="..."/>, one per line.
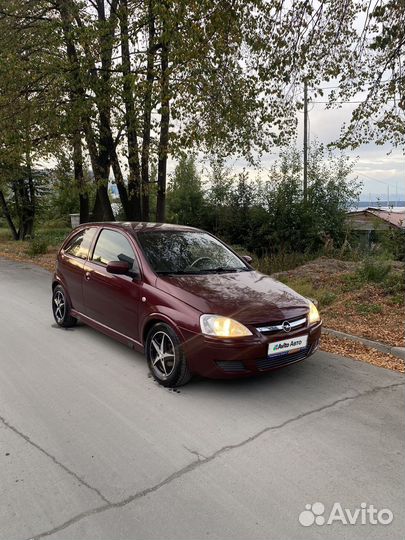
<point x="126" y="340"/>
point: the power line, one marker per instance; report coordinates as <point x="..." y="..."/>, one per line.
<point x="305" y="141"/>
<point x="343" y="102"/>
<point x="385" y="182"/>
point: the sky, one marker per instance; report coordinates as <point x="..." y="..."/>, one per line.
<point x="379" y="168"/>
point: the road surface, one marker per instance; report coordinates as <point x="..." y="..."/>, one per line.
<point x="92" y="448"/>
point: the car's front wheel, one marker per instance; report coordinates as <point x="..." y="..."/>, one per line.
<point x="61" y="308"/>
<point x="166" y="358"/>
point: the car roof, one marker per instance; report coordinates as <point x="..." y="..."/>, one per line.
<point x="142" y="226"/>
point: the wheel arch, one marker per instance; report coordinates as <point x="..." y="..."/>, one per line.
<point x="157" y="318"/>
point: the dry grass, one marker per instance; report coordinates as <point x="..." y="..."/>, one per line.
<point x="366" y="309"/>
<point x="368" y="313"/>
<point x="18" y="251"/>
<point x="353" y="349"/>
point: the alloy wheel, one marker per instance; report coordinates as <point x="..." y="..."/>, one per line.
<point x="162" y="354"/>
<point x="59" y="306"/>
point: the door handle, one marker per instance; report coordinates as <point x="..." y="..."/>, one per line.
<point x="87" y="275"/>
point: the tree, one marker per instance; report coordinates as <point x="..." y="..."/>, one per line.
<point x="128" y="83"/>
<point x="29" y="115"/>
<point x="298" y="225"/>
<point x="375" y="67"/>
<point x="185" y="198"/>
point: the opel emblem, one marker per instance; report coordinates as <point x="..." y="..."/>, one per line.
<point x="286" y="326"/>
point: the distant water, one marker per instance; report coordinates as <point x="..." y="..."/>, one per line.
<point x="382" y="204"/>
<point x="393" y="206"/>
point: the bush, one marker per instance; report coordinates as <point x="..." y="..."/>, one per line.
<point x="374" y="271"/>
<point x="54" y="237"/>
<point x="279" y="262"/>
<point x="38" y="246"/>
<point x="394" y="283"/>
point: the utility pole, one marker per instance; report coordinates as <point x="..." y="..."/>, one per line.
<point x="305" y="141"/>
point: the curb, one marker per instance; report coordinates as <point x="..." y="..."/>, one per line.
<point x="396" y="351"/>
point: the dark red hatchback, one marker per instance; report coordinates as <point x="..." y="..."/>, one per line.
<point x="182" y="296"/>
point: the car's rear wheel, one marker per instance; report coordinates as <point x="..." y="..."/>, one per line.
<point x="166" y="358"/>
<point x="61" y="308"/>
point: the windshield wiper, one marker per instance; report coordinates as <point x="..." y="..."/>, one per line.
<point x="222" y="270"/>
<point x="169" y="272"/>
<point x="219" y="270"/>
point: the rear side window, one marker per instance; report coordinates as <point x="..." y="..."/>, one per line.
<point x="80" y="244"/>
<point x="113" y="246"/>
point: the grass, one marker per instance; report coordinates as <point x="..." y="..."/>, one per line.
<point x="53" y="236"/>
<point x="324" y="296"/>
<point x="372" y="274"/>
<point x="373" y="271"/>
<point x="279" y="262"/>
<point x="5" y="235"/>
<point x="37" y="246"/>
<point x="368" y="309"/>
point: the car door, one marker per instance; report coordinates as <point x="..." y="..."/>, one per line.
<point x="71" y="262"/>
<point x="113" y="300"/>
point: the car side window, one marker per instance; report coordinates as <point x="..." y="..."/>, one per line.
<point x="113" y="246"/>
<point x="80" y="244"/>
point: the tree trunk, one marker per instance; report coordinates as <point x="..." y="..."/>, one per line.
<point x="99" y="163"/>
<point x="147" y="113"/>
<point x="134" y="180"/>
<point x="7" y="215"/>
<point x="164" y="134"/>
<point x="79" y="177"/>
<point x="30" y="200"/>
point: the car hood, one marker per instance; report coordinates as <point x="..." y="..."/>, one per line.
<point x="249" y="297"/>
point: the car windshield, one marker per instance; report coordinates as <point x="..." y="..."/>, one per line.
<point x="188" y="252"/>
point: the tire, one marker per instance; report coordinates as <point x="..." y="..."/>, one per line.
<point x="172" y="370"/>
<point x="61" y="308"/>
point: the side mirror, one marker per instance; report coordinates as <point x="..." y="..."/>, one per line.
<point x="247" y="258"/>
<point x="118" y="267"/>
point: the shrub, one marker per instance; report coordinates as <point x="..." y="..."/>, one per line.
<point x="325" y="298"/>
<point x="394" y="283"/>
<point x="38" y="246"/>
<point x="374" y="271"/>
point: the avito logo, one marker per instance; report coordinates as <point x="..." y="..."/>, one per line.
<point x="363" y="515"/>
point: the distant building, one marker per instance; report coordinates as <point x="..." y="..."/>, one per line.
<point x="369" y="222"/>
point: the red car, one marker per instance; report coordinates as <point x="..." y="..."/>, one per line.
<point x="182" y="296"/>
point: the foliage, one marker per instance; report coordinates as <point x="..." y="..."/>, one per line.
<point x="374" y="65"/>
<point x="38" y="246"/>
<point x="119" y="85"/>
<point x="367" y="309"/>
<point x="281" y="261"/>
<point x="323" y="295"/>
<point x="391" y="243"/>
<point x="269" y="217"/>
<point x="185" y="198"/>
<point x="374" y="271"/>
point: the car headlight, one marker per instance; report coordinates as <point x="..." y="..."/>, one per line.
<point x="216" y="325"/>
<point x="313" y="315"/>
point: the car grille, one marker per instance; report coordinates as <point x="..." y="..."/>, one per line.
<point x="232" y="366"/>
<point x="282" y="359"/>
<point x="271" y="328"/>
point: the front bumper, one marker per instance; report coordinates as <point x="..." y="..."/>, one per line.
<point x="230" y="358"/>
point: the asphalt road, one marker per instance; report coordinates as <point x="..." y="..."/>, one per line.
<point x="92" y="448"/>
